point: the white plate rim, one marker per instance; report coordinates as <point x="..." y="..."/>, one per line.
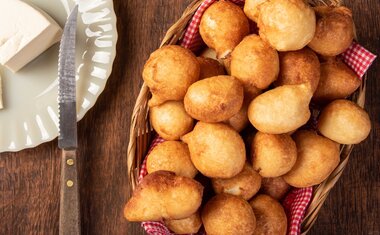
<point x="82" y="111"/>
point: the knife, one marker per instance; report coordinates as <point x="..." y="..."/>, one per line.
<point x="69" y="211"/>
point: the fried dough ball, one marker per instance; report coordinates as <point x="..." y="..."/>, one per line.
<point x="170" y="120"/>
<point x="206" y="182"/>
<point x="216" y="150"/>
<point x="163" y="195"/>
<point x="223" y="25"/>
<point x="252" y="8"/>
<point x="281" y="110"/>
<point x="227" y="64"/>
<point x="334" y="32"/>
<point x="275" y="187"/>
<point x="227" y="214"/>
<point x="210" y="68"/>
<point x="245" y="184"/>
<point x="240" y="120"/>
<point x="286" y="25"/>
<point x="210" y="53"/>
<point x="270" y="216"/>
<point x="248" y="138"/>
<point x="273" y="155"/>
<point x="317" y="158"/>
<point x="214" y="99"/>
<point x="337" y="81"/>
<point x="171" y="156"/>
<point x="254" y="63"/>
<point x="251" y="93"/>
<point x="189" y="225"/>
<point x="169" y="72"/>
<point x="297" y="67"/>
<point x="344" y="122"/>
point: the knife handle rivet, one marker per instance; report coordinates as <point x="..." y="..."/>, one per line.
<point x="69" y="183"/>
<point x="70" y="162"/>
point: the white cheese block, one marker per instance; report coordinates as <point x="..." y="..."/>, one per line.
<point x="25" y="32"/>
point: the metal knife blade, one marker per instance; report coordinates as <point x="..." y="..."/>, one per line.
<point x="67" y="85"/>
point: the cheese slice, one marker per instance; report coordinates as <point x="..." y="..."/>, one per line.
<point x="25" y="32"/>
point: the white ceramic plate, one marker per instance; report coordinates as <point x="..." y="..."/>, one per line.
<point x="30" y="114"/>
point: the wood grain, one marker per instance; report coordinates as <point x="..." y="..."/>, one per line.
<point x="29" y="180"/>
<point x="69" y="207"/>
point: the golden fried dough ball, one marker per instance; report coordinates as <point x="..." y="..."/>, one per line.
<point x="275" y="187"/>
<point x="286" y="25"/>
<point x="252" y="8"/>
<point x="163" y="195"/>
<point x="227" y="64"/>
<point x="169" y="72"/>
<point x="254" y="63"/>
<point x="223" y="25"/>
<point x="297" y="67"/>
<point x="273" y="155"/>
<point x="171" y="156"/>
<point x="337" y="81"/>
<point x="214" y="99"/>
<point x="317" y="158"/>
<point x="334" y="32"/>
<point x="344" y="122"/>
<point x="216" y="150"/>
<point x="240" y="120"/>
<point x="170" y="120"/>
<point x="251" y="93"/>
<point x="245" y="184"/>
<point x="188" y="225"/>
<point x="270" y="216"/>
<point x="210" y="68"/>
<point x="281" y="110"/>
<point x="210" y="53"/>
<point x="227" y="214"/>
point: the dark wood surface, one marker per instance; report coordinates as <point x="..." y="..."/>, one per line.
<point x="29" y="180"/>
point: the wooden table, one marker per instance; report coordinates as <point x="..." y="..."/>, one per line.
<point x="29" y="180"/>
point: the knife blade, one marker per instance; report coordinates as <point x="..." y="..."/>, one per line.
<point x="69" y="212"/>
<point x="67" y="86"/>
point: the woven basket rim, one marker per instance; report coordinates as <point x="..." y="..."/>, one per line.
<point x="140" y="128"/>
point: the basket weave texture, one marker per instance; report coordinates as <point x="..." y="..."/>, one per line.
<point x="141" y="132"/>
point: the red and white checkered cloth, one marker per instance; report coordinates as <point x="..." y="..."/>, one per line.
<point x="296" y="201"/>
<point x="358" y="58"/>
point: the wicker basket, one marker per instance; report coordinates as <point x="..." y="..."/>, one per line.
<point x="141" y="132"/>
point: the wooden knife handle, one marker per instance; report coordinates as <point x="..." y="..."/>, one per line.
<point x="69" y="211"/>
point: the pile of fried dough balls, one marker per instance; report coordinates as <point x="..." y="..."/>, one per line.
<point x="236" y="117"/>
